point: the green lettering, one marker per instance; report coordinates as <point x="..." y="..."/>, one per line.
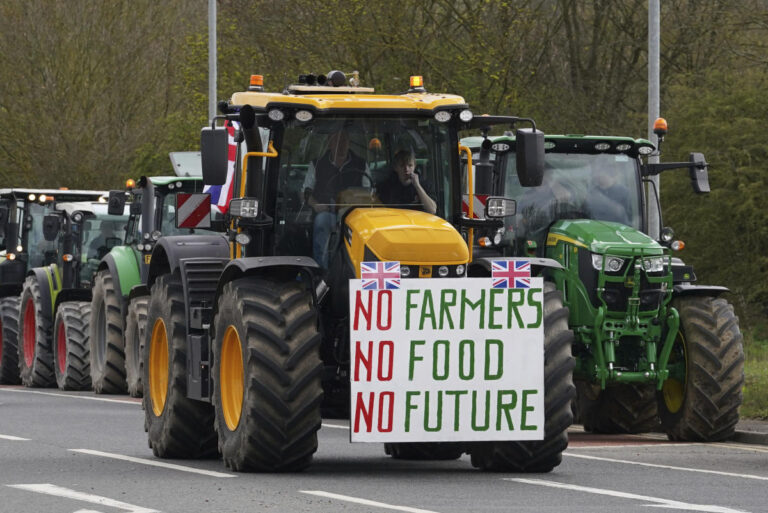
<point x="480" y="303"/>
<point x="492" y="309"/>
<point x="467" y="346"/>
<point x="427" y="310"/>
<point x="456" y="405"/>
<point x="409" y="306"/>
<point x="475" y="426"/>
<point x="445" y="312"/>
<point x="439" y="425"/>
<point x="413" y="358"/>
<point x="515" y="299"/>
<point x="408" y="408"/>
<point x="446" y="359"/>
<point x="533" y="302"/>
<point x="526" y="409"/>
<point x="499" y="359"/>
<point x="501" y="405"/>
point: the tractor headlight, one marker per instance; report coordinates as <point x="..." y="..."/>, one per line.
<point x="244" y="207"/>
<point x="654" y="264"/>
<point x="405" y="271"/>
<point x="442" y="271"/>
<point x="243" y="239"/>
<point x="304" y="116"/>
<point x="460" y="270"/>
<point x="466" y="115"/>
<point x="442" y="116"/>
<point x="155" y="235"/>
<point x="612" y="264"/>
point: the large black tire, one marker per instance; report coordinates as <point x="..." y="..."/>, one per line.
<point x="177" y="427"/>
<point x="425" y="450"/>
<point x="541" y="456"/>
<point x="71" y="362"/>
<point x="35" y="355"/>
<point x="135" y="325"/>
<point x="9" y="341"/>
<point x="272" y="425"/>
<point x="700" y="402"/>
<point x="626" y="408"/>
<point x="106" y="334"/>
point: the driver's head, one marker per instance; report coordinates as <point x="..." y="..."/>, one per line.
<point x="405" y="165"/>
<point x="338" y="145"/>
<point x="603" y="178"/>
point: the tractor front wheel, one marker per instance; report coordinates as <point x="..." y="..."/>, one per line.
<point x="106" y="336"/>
<point x="70" y="346"/>
<point x="9" y="341"/>
<point x="135" y="325"/>
<point x="177" y="427"/>
<point x="35" y="356"/>
<point x="559" y="391"/>
<point x="626" y="408"/>
<point x="267" y="371"/>
<point x="700" y="400"/>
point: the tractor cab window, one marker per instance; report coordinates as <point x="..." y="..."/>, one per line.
<point x="40" y="251"/>
<point x="101" y="234"/>
<point x="334" y="164"/>
<point x="604" y="187"/>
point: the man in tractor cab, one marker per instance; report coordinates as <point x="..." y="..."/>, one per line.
<point x="338" y="168"/>
<point x="404" y="186"/>
<point x="608" y="199"/>
<point x="103" y="242"/>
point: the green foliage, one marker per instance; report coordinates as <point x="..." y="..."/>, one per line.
<point x="755" y="403"/>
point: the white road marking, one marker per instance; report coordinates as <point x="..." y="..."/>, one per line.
<point x="660" y="503"/>
<point x="72" y="396"/>
<point x="742" y="447"/>
<point x="14" y="438"/>
<point x="58" y="491"/>
<point x="365" y="502"/>
<point x="670" y="467"/>
<point x="334" y="426"/>
<point x="87" y="511"/>
<point x="153" y="463"/>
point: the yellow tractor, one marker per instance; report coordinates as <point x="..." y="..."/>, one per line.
<point x="248" y="333"/>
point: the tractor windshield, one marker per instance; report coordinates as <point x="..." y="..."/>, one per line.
<point x="40" y="251"/>
<point x="603" y="187"/>
<point x="333" y="164"/>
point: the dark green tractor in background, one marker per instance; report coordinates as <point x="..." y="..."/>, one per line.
<point x="23" y="247"/>
<point x="56" y="298"/>
<point x="654" y="349"/>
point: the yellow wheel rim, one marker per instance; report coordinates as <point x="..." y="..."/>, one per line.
<point x="673" y="389"/>
<point x="158" y="367"/>
<point x="231" y="378"/>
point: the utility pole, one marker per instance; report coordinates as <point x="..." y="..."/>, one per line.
<point x="211" y="59"/>
<point x="654" y="223"/>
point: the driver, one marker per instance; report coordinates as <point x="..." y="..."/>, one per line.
<point x="609" y="200"/>
<point x="338" y="169"/>
<point x="98" y="246"/>
<point x="404" y="186"/>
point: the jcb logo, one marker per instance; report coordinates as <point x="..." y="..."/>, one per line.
<point x="147" y="258"/>
<point x="425" y="271"/>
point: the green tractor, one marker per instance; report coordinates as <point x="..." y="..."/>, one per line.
<point x="654" y="350"/>
<point x="56" y="298"/>
<point x="23" y="247"/>
<point x="120" y="295"/>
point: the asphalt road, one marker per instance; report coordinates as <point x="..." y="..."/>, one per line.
<point x="64" y="452"/>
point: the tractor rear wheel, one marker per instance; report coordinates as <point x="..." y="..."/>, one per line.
<point x="135" y="325"/>
<point x="425" y="450"/>
<point x="177" y="427"/>
<point x="106" y="337"/>
<point x="541" y="456"/>
<point x="267" y="371"/>
<point x="9" y="341"/>
<point x="70" y="346"/>
<point x="700" y="400"/>
<point x="627" y="408"/>
<point x="35" y="356"/>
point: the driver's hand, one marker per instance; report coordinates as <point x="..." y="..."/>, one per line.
<point x="414" y="178"/>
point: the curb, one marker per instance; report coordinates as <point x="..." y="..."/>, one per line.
<point x="750" y="437"/>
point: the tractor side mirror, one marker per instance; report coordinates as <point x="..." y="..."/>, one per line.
<point x="213" y="154"/>
<point x="3" y="220"/>
<point x="699" y="173"/>
<point x="116" y="203"/>
<point x="530" y="157"/>
<point x="51" y="226"/>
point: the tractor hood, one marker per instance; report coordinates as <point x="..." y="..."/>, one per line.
<point x="603" y="237"/>
<point x="408" y="236"/>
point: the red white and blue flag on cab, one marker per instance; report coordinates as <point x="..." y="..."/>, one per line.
<point x="221" y="194"/>
<point x="511" y="274"/>
<point x="380" y="275"/>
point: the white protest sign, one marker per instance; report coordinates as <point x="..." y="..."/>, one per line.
<point x="446" y="359"/>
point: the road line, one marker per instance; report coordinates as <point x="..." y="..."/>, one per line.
<point x="153" y="463"/>
<point x="365" y="502"/>
<point x="334" y="426"/>
<point x="742" y="447"/>
<point x="587" y="445"/>
<point x="669" y="467"/>
<point x="72" y="396"/>
<point x="58" y="491"/>
<point x="14" y="438"/>
<point x="659" y="502"/>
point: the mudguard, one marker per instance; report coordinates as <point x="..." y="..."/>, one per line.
<point x="124" y="268"/>
<point x="50" y="284"/>
<point x="71" y="295"/>
<point x="252" y="265"/>
<point x="686" y="289"/>
<point x="169" y="251"/>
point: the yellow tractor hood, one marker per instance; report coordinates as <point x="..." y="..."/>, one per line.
<point x="408" y="236"/>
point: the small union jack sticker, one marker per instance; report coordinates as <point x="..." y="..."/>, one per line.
<point x="511" y="274"/>
<point x="380" y="275"/>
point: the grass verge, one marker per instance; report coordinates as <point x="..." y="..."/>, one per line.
<point x="755" y="405"/>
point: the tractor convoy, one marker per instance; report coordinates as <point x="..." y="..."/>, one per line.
<point x="242" y="329"/>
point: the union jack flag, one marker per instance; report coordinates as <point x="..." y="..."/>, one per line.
<point x="221" y="194"/>
<point x="511" y="274"/>
<point x="380" y="275"/>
